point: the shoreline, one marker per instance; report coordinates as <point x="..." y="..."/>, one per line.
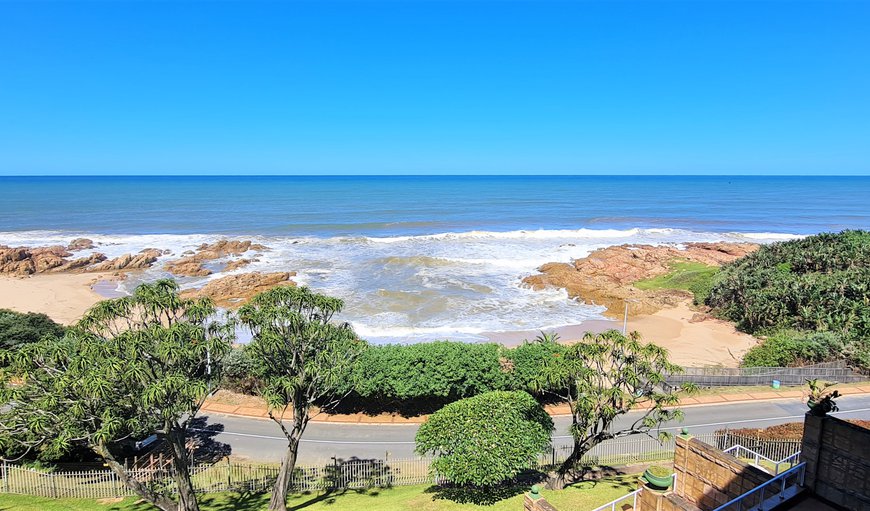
<point x="64" y="297"/>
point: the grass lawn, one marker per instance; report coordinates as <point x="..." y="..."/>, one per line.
<point x="694" y="277"/>
<point x="581" y="497"/>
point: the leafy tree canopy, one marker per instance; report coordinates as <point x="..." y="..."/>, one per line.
<point x="605" y="376"/>
<point x="302" y="358"/>
<point x="486" y="439"/>
<point x="131" y="367"/>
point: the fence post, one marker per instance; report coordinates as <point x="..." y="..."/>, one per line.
<point x="5" y="477"/>
<point x="229" y="474"/>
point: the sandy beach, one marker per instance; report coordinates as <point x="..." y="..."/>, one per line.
<point x="711" y="342"/>
<point x="63" y="297"/>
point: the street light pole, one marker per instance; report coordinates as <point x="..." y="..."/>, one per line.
<point x="625" y="318"/>
<point x="625" y="315"/>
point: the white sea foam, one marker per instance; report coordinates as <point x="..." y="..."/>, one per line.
<point x="448" y="285"/>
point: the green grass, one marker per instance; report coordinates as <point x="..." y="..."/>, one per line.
<point x="580" y="497"/>
<point x="695" y="277"/>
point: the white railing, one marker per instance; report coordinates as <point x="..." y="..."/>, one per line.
<point x="770" y="494"/>
<point x="738" y="451"/>
<point x="631" y="497"/>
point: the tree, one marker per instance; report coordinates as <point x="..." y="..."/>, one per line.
<point x="303" y="359"/>
<point x="487" y="439"/>
<point x="17" y="328"/>
<point x="131" y="367"/>
<point x="602" y="378"/>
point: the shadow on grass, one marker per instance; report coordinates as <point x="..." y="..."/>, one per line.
<point x="487" y="496"/>
<point x="327" y="497"/>
<point x="592" y="477"/>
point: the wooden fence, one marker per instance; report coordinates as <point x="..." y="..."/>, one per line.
<point x="354" y="473"/>
<point x="728" y="376"/>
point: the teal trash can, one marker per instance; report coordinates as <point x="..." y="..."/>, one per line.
<point x="775" y="384"/>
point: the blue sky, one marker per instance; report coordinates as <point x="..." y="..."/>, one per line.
<point x="437" y="87"/>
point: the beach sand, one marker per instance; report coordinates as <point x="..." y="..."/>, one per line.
<point x="711" y="342"/>
<point x="63" y="297"/>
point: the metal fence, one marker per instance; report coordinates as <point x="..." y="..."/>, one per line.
<point x="728" y="376"/>
<point x="343" y="474"/>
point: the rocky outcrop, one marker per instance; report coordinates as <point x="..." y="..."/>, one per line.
<point x="144" y="259"/>
<point x="27" y="260"/>
<point x="233" y="291"/>
<point x="56" y="259"/>
<point x="607" y="275"/>
<point x="80" y="244"/>
<point x="238" y="263"/>
<point x="192" y="265"/>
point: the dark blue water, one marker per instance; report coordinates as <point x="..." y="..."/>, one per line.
<point x="388" y="206"/>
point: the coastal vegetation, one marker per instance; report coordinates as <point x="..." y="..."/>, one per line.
<point x="819" y="283"/>
<point x="603" y="377"/>
<point x="18" y="328"/>
<point x="421" y="378"/>
<point x="485" y="440"/>
<point x="698" y="278"/>
<point x="132" y="367"/>
<point x="302" y="357"/>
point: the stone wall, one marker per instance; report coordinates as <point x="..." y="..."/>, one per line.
<point x="837" y="455"/>
<point x="708" y="478"/>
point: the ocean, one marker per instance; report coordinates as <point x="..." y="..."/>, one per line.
<point x="421" y="258"/>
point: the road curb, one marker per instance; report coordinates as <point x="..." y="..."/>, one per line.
<point x="361" y="419"/>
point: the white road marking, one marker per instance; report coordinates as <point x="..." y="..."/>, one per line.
<point x="360" y="442"/>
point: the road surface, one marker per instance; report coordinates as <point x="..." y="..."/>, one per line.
<point x="261" y="439"/>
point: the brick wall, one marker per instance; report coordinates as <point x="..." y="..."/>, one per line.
<point x="837" y="455"/>
<point x="708" y="478"/>
<point x="539" y="504"/>
<point x="650" y="500"/>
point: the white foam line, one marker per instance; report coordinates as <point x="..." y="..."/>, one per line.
<point x="358" y="442"/>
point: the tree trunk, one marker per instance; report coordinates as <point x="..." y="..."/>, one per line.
<point x="568" y="469"/>
<point x="161" y="501"/>
<point x="278" y="501"/>
<point x="181" y="471"/>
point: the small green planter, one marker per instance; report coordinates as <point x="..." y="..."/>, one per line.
<point x="658" y="482"/>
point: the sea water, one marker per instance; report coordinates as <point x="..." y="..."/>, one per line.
<point x="420" y="258"/>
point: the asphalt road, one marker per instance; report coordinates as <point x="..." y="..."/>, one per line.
<point x="261" y="439"/>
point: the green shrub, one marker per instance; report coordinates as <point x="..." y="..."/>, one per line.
<point x="523" y="364"/>
<point x="442" y="371"/>
<point x="789" y="348"/>
<point x="487" y="439"/>
<point x="239" y="373"/>
<point x="818" y="283"/>
<point x="17" y="328"/>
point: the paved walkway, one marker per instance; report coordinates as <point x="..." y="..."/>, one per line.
<point x="556" y="411"/>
